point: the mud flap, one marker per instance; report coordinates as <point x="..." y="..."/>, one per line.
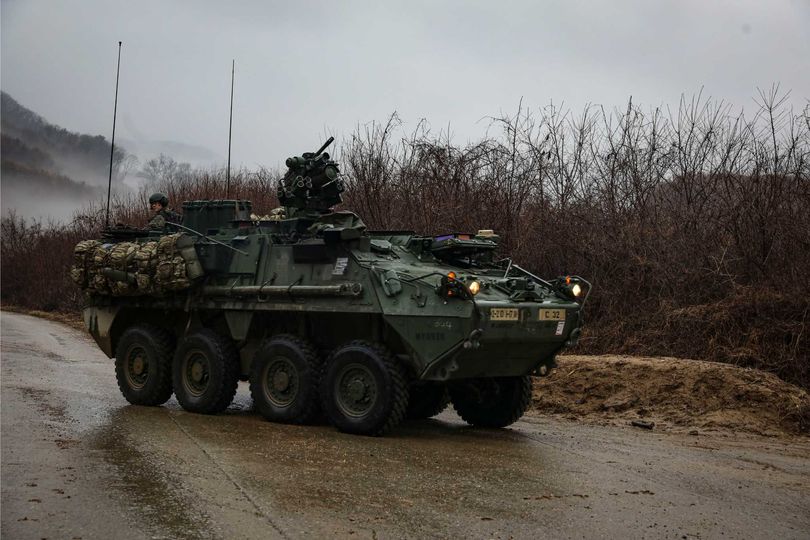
<point x="99" y="321"/>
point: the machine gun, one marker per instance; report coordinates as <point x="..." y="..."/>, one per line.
<point x="312" y="182"/>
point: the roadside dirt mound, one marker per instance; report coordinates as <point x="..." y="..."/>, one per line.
<point x="676" y="394"/>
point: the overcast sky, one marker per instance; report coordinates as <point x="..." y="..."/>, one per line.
<point x="306" y="69"/>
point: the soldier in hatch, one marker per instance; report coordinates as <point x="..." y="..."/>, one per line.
<point x="159" y="205"/>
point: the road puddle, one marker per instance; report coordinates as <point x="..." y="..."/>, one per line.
<point x="143" y="483"/>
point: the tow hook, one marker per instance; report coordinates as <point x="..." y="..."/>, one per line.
<point x="472" y="340"/>
<point x="573" y="338"/>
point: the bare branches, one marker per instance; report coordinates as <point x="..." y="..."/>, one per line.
<point x="693" y="223"/>
<point x="700" y="206"/>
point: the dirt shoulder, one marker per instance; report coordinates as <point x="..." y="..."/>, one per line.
<point x="678" y="395"/>
<point x="74" y="320"/>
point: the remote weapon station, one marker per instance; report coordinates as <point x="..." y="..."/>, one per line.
<point x="320" y="314"/>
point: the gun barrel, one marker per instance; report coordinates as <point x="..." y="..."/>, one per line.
<point x="325" y="145"/>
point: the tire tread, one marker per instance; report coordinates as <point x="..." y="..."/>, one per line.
<point x="399" y="385"/>
<point x="427" y="402"/>
<point x="495" y="415"/>
<point x="224" y="349"/>
<point x="163" y="343"/>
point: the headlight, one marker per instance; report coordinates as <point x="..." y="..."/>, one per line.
<point x="474" y="287"/>
<point x="576" y="289"/>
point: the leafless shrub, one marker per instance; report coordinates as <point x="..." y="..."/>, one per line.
<point x="699" y="210"/>
<point x="692" y="223"/>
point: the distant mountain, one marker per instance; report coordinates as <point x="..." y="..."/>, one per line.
<point x="31" y="142"/>
<point x="20" y="180"/>
<point x="40" y="193"/>
<point x="47" y="171"/>
<point x="16" y="151"/>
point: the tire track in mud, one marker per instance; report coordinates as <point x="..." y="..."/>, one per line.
<point x="147" y="489"/>
<point x="261" y="511"/>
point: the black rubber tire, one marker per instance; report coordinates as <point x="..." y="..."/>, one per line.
<point x="155" y="346"/>
<point x="491" y="402"/>
<point x="295" y="359"/>
<point x="217" y="387"/>
<point x="427" y="399"/>
<point x="390" y="390"/>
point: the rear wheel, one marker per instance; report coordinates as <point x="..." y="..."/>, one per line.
<point x="143" y="365"/>
<point x="206" y="372"/>
<point x="427" y="399"/>
<point x="284" y="380"/>
<point x="492" y="402"/>
<point x="363" y="389"/>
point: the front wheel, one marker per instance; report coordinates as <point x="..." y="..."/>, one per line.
<point x="143" y="365"/>
<point x="492" y="402"/>
<point x="206" y="372"/>
<point x="363" y="389"/>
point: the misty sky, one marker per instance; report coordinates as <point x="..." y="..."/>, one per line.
<point x="306" y="69"/>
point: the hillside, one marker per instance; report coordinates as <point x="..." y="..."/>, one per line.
<point x="81" y="157"/>
<point x="48" y="171"/>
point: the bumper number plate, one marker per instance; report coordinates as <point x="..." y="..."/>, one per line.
<point x="551" y="315"/>
<point x="504" y="314"/>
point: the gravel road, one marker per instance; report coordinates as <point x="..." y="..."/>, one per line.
<point x="79" y="462"/>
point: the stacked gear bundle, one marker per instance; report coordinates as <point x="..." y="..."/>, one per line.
<point x="99" y="259"/>
<point x="146" y="260"/>
<point x="132" y="269"/>
<point x="178" y="264"/>
<point x="82" y="255"/>
<point x="120" y="281"/>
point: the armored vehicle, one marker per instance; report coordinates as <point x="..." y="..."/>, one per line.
<point x="322" y="316"/>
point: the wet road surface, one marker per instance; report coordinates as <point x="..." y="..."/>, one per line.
<point x="79" y="462"/>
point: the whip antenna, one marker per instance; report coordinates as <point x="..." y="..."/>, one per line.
<point x="112" y="142"/>
<point x="230" y="129"/>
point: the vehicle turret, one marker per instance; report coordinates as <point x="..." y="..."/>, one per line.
<point x="312" y="184"/>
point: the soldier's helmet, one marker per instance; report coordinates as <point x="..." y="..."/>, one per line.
<point x="159" y="198"/>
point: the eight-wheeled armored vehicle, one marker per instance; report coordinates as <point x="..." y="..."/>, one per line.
<point x="320" y="314"/>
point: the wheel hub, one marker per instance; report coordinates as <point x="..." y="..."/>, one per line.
<point x="281" y="381"/>
<point x="137" y="367"/>
<point x="196" y="372"/>
<point x="356" y="389"/>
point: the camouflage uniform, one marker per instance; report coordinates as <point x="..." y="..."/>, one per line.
<point x="159" y="221"/>
<point x="163" y="218"/>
